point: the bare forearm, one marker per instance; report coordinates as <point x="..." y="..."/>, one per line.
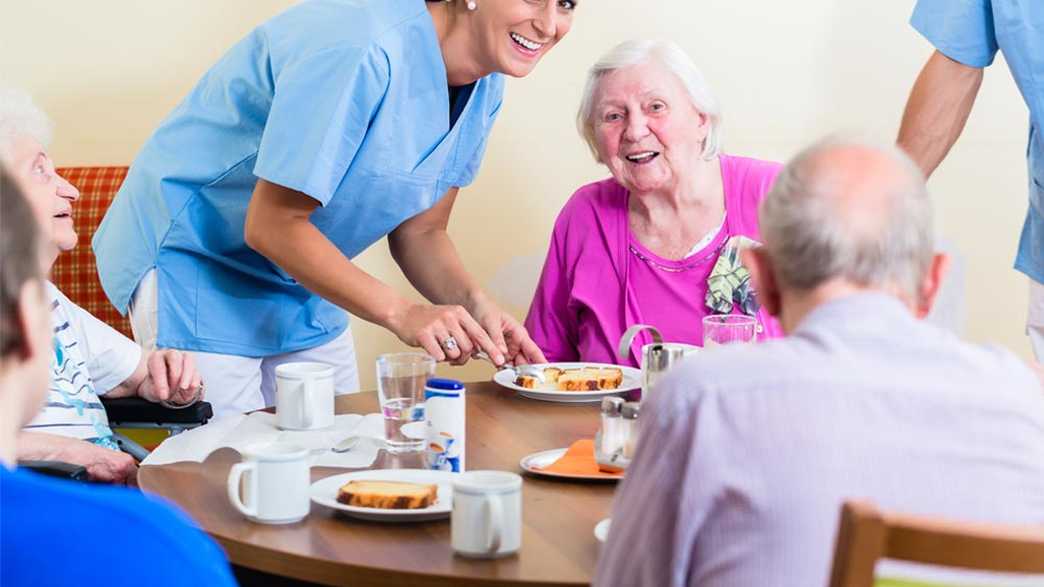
<point x="938" y="108"/>
<point x="41" y="446"/>
<point x="103" y="464"/>
<point x="278" y="227"/>
<point x="422" y="248"/>
<point x="307" y="255"/>
<point x="429" y="259"/>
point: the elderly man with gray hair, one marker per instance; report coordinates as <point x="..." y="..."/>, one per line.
<point x="747" y="452"/>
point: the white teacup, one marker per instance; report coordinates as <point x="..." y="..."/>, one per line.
<point x="277" y="481"/>
<point x="487" y="514"/>
<point x="304" y="396"/>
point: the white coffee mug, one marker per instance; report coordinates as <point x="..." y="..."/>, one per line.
<point x="487" y="514"/>
<point x="304" y="396"/>
<point x="276" y="484"/>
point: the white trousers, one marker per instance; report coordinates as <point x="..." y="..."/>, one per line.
<point x="1035" y="319"/>
<point x="236" y="384"/>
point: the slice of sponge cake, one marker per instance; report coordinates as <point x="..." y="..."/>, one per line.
<point x="585" y="379"/>
<point x="610" y="378"/>
<point x="529" y="382"/>
<point x="590" y="379"/>
<point x="389" y="495"/>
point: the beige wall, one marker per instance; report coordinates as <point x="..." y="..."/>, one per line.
<point x="785" y="72"/>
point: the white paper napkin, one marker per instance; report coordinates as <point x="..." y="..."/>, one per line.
<point x="238" y="432"/>
<point x="193" y="445"/>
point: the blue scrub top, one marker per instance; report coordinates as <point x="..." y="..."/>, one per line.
<point x="971" y="32"/>
<point x="343" y="100"/>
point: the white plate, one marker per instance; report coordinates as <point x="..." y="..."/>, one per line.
<point x="632" y="379"/>
<point x="536" y="463"/>
<point x="601" y="530"/>
<point x="324" y="492"/>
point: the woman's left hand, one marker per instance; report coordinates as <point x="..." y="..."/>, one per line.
<point x="509" y="336"/>
<point x="172" y="378"/>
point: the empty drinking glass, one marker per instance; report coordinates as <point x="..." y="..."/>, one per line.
<point x="728" y="329"/>
<point x="400" y="388"/>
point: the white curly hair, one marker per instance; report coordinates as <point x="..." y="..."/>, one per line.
<point x="676" y="60"/>
<point x="20" y="116"/>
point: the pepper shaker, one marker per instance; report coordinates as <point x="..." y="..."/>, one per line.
<point x="611" y="432"/>
<point x="629" y="419"/>
<point x="609" y="441"/>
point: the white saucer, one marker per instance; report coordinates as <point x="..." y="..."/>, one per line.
<point x="324" y="492"/>
<point x="538" y="462"/>
<point x="601" y="530"/>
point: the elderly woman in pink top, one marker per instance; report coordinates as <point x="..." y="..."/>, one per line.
<point x="657" y="243"/>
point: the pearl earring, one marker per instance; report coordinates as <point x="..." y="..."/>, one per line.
<point x="472" y="5"/>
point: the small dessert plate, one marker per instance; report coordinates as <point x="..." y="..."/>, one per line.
<point x="632" y="379"/>
<point x="324" y="492"/>
<point x="537" y="462"/>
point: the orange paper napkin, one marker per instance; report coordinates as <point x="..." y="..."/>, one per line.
<point x="579" y="459"/>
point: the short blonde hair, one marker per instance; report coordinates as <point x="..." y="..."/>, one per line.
<point x="677" y="61"/>
<point x="19" y="116"/>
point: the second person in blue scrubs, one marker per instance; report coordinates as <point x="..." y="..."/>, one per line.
<point x="967" y="34"/>
<point x="327" y="128"/>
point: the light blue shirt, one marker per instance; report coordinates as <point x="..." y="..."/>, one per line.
<point x="971" y="32"/>
<point x="55" y="532"/>
<point x="747" y="452"/>
<point x="343" y="100"/>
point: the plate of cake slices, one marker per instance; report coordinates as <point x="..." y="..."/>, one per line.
<point x="571" y="382"/>
<point x="388" y="495"/>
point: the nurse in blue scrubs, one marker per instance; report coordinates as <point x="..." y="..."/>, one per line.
<point x="329" y="127"/>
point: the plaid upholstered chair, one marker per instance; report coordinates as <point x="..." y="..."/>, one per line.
<point x="75" y="272"/>
<point x="76" y="275"/>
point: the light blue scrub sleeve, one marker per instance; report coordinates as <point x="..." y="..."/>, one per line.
<point x="960" y="29"/>
<point x="321" y="109"/>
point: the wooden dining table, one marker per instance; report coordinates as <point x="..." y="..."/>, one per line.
<point x="329" y="548"/>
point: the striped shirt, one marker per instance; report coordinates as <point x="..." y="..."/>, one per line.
<point x="90" y="358"/>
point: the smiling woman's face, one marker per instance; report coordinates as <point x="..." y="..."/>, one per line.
<point x="646" y="128"/>
<point x="49" y="194"/>
<point x="517" y="33"/>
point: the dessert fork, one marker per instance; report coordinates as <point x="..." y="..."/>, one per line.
<point x="524" y="370"/>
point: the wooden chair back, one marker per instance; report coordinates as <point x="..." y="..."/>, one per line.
<point x="867" y="535"/>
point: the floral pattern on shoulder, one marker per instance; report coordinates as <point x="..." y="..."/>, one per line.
<point x="729" y="282"/>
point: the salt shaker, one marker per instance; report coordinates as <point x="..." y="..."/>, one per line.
<point x="610" y="437"/>
<point x="629" y="419"/>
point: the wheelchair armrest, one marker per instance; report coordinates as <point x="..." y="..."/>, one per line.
<point x="126" y="410"/>
<point x="56" y="469"/>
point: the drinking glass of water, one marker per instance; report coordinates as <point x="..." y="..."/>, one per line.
<point x="400" y="388"/>
<point x="721" y="329"/>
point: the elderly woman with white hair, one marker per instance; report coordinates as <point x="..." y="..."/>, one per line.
<point x="657" y="243"/>
<point x="89" y="358"/>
